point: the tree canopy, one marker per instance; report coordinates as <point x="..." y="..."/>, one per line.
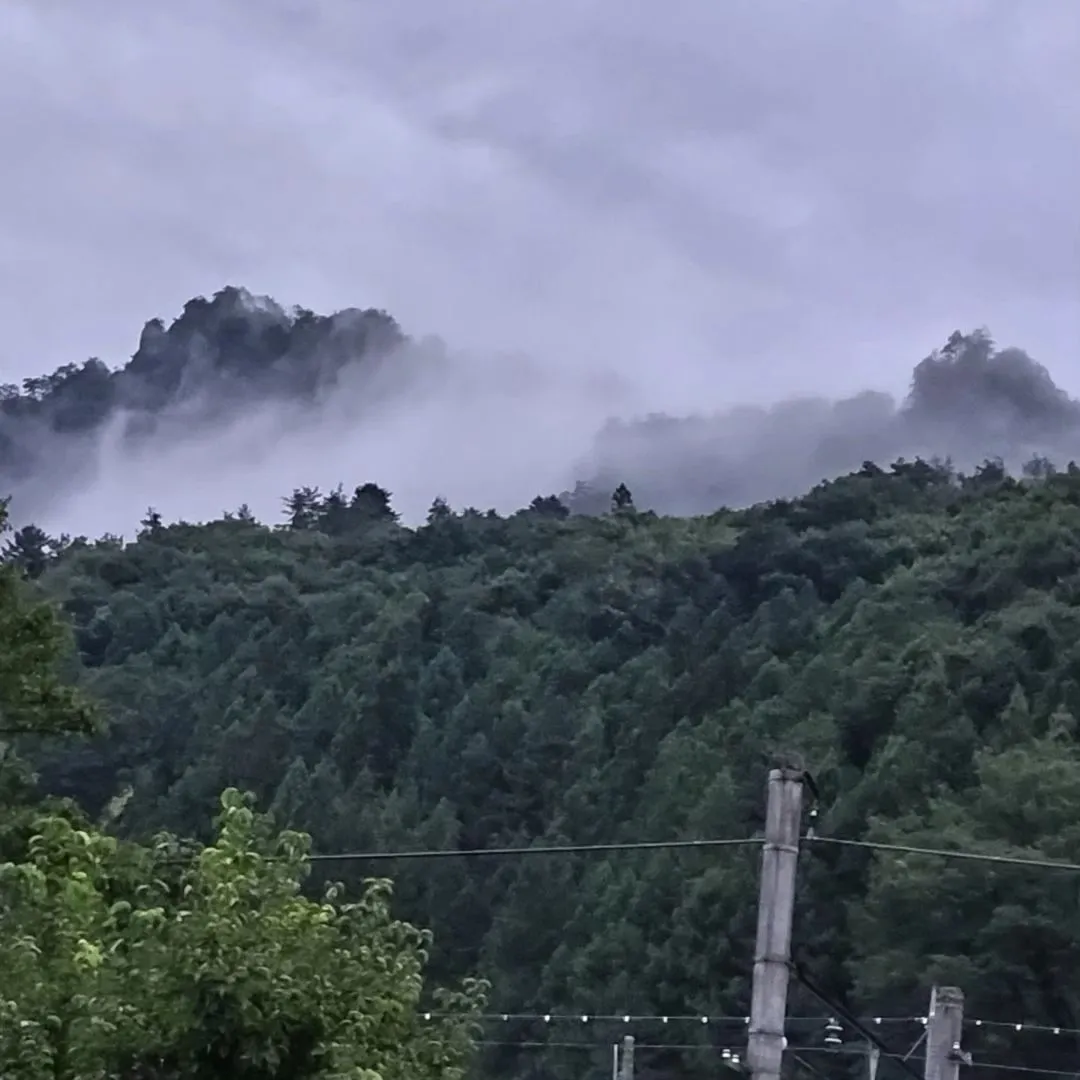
<point x="133" y="963"/>
<point x="174" y="960"/>
<point x="485" y="681"/>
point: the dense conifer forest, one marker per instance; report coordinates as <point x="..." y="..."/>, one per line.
<point x="909" y="631"/>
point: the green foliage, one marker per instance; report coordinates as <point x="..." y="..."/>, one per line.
<point x="34" y="698"/>
<point x="174" y="962"/>
<point x="131" y="963"/>
<point x="36" y="702"/>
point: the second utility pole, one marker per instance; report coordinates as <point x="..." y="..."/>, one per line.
<point x="776" y="908"/>
<point x="944" y="1030"/>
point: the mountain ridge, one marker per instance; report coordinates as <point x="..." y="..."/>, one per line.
<point x="236" y="357"/>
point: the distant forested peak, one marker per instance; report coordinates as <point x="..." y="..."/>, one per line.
<point x="969" y="401"/>
<point x="221" y="352"/>
<point x="970" y="375"/>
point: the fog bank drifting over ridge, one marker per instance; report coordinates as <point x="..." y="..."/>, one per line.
<point x="968" y="403"/>
<point x="240" y="401"/>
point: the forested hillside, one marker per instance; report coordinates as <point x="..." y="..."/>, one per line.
<point x="911" y="634"/>
<point x="179" y="960"/>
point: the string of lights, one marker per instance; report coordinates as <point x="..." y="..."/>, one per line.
<point x="624" y="1018"/>
<point x="580" y="1044"/>
<point x="1013" y="1025"/>
<point x="716" y="1018"/>
<point x="1045" y="1028"/>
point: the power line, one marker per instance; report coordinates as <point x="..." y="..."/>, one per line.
<point x="974" y="1065"/>
<point x="538" y="849"/>
<point x="427" y="854"/>
<point x="795" y="1051"/>
<point x="1022" y="1068"/>
<point x="850" y="1019"/>
<point x="813" y="1070"/>
<point x="947" y="853"/>
<point x="674" y="845"/>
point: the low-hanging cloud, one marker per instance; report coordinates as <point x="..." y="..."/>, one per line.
<point x="346" y="399"/>
<point x="239" y="401"/>
<point x="739" y="202"/>
<point x="472" y="443"/>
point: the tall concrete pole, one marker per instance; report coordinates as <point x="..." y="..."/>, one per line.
<point x="776" y="907"/>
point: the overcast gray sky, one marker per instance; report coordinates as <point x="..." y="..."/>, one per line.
<point x="709" y="195"/>
<point x="721" y="200"/>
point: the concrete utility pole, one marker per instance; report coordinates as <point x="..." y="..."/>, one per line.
<point x="944" y="1030"/>
<point x="873" y="1056"/>
<point x="776" y="907"/>
<point x="626" y="1060"/>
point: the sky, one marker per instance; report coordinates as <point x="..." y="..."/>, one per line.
<point x="712" y="202"/>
